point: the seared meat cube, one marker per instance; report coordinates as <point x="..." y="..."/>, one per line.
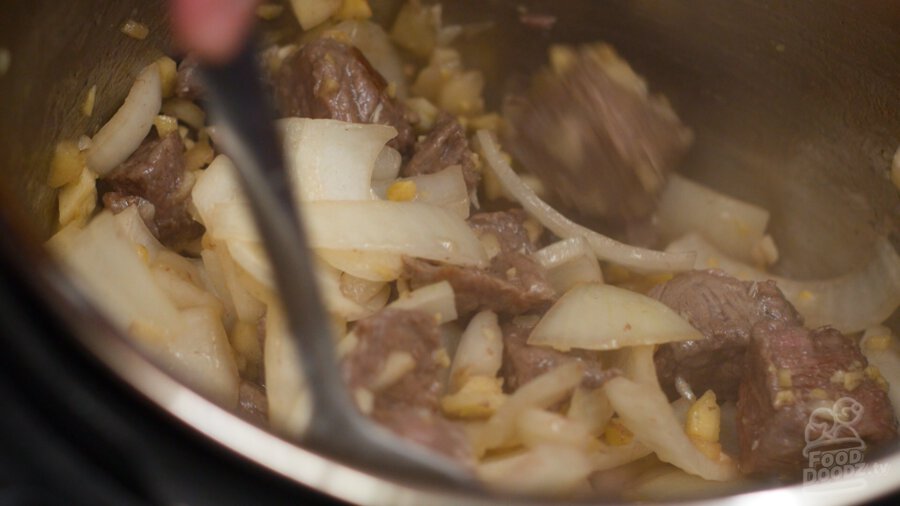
<point x="792" y="371"/>
<point x="725" y="310"/>
<point x="187" y="80"/>
<point x="523" y="362"/>
<point x="330" y="79"/>
<point x="514" y="282"/>
<point x="444" y="146"/>
<point x="594" y="136"/>
<point x="155" y="176"/>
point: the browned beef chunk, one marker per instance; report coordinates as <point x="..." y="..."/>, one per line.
<point x="428" y="429"/>
<point x="396" y="331"/>
<point x="187" y="80"/>
<point x="522" y="362"/>
<point x="330" y="79"/>
<point x="252" y="403"/>
<point x="792" y="371"/>
<point x="410" y="405"/>
<point x="444" y="146"/>
<point x="155" y="175"/>
<point x="725" y="310"/>
<point x="594" y="136"/>
<point x="513" y="283"/>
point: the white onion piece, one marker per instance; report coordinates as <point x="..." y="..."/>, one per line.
<point x="605" y="248"/>
<point x="611" y="457"/>
<point x="125" y="131"/>
<point x="569" y="262"/>
<point x="645" y="411"/>
<point x="480" y="350"/>
<point x="134" y="228"/>
<point x="290" y="406"/>
<point x="202" y="357"/>
<point x="405" y="228"/>
<point x="541" y="392"/>
<point x="107" y="267"/>
<point x="591" y="408"/>
<point x="594" y="316"/>
<point x="445" y="188"/>
<point x="733" y="226"/>
<point x="370" y="265"/>
<point x="886" y="357"/>
<point x="387" y="165"/>
<point x="186" y="111"/>
<point x="332" y="160"/>
<point x="375" y="45"/>
<point x="536" y="427"/>
<point x="248" y="307"/>
<point x="671" y="484"/>
<point x="436" y="299"/>
<point x="311" y="13"/>
<point x="217" y="184"/>
<point x="545" y="469"/>
<point x="850" y="303"/>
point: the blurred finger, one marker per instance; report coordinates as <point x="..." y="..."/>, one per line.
<point x="213" y="30"/>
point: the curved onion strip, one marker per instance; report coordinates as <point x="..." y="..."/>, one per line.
<point x="544" y="469"/>
<point x="734" y="226"/>
<point x="445" y="188"/>
<point x="406" y="228"/>
<point x="370" y="265"/>
<point x="594" y="316"/>
<point x="569" y="262"/>
<point x="125" y="131"/>
<point x="332" y="160"/>
<point x="480" y="350"/>
<point x="850" y="303"/>
<point x="645" y="411"/>
<point x="387" y="165"/>
<point x="217" y="184"/>
<point x="604" y="247"/>
<point x="436" y="299"/>
<point x="290" y="406"/>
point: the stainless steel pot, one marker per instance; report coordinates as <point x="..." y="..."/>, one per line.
<point x="796" y="107"/>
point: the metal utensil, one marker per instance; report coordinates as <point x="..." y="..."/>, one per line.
<point x="245" y="119"/>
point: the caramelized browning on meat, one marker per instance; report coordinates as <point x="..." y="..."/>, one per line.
<point x="725" y="310"/>
<point x="154" y="177"/>
<point x="444" y="146"/>
<point x="329" y="79"/>
<point x="792" y="371"/>
<point x="514" y="283"/>
<point x="592" y="134"/>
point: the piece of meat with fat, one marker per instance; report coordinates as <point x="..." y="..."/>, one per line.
<point x="408" y="406"/>
<point x="513" y="283"/>
<point x="523" y="362"/>
<point x="594" y="136"/>
<point x="155" y="176"/>
<point x="724" y="310"/>
<point x="792" y="371"/>
<point x="188" y="84"/>
<point x="445" y="145"/>
<point x="329" y="79"/>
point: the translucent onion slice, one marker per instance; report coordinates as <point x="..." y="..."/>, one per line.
<point x="125" y="131"/>
<point x="406" y="228"/>
<point x="594" y="316"/>
<point x="436" y="299"/>
<point x="218" y="184"/>
<point x="370" y="265"/>
<point x="287" y="392"/>
<point x="544" y="469"/>
<point x="445" y="188"/>
<point x="332" y="160"/>
<point x="850" y="303"/>
<point x="311" y="13"/>
<point x="604" y="247"/>
<point x="733" y="226"/>
<point x="480" y="350"/>
<point x="645" y="411"/>
<point x="569" y="262"/>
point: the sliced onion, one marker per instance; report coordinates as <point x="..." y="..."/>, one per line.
<point x="436" y="299"/>
<point x="312" y="13"/>
<point x="218" y="184"/>
<point x="850" y="303"/>
<point x="733" y="226"/>
<point x="604" y="247"/>
<point x="885" y="355"/>
<point x="445" y="188"/>
<point x="545" y="469"/>
<point x="541" y="392"/>
<point x="645" y="411"/>
<point x="125" y="131"/>
<point x="594" y="316"/>
<point x="569" y="262"/>
<point x="671" y="484"/>
<point x="480" y="350"/>
<point x="536" y="427"/>
<point x="387" y="165"/>
<point x="332" y="160"/>
<point x="406" y="228"/>
<point x="370" y="265"/>
<point x="134" y="228"/>
<point x="186" y="111"/>
<point x="290" y="406"/>
<point x="591" y="408"/>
